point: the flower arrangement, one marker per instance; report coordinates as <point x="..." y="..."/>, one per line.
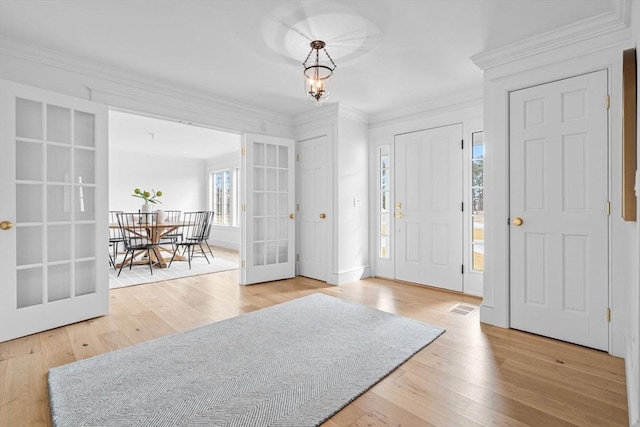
<point x="147" y="196"/>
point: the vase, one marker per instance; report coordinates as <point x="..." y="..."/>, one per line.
<point x="161" y="216"/>
<point x="146" y="208"/>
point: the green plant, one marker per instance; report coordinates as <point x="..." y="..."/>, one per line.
<point x="147" y="196"/>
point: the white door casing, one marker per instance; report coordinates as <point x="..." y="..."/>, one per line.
<point x="267" y="220"/>
<point x="428" y="207"/>
<point x="313" y="224"/>
<point x="559" y="189"/>
<point x="53" y="188"/>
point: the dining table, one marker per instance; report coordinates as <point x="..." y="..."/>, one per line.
<point x="154" y="232"/>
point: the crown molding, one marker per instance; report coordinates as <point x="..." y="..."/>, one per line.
<point x="587" y="29"/>
<point x="446" y="104"/>
<point x="93" y="69"/>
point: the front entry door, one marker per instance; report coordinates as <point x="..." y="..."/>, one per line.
<point x="53" y="208"/>
<point x="312" y="208"/>
<point x="428" y="209"/>
<point x="558" y="210"/>
<point x="267" y="220"/>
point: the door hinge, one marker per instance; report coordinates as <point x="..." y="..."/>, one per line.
<point x="244" y="151"/>
<point x="297" y="257"/>
<point x="608" y="101"/>
<point x="608" y="208"/>
<point x="462" y="144"/>
<point x="297" y="157"/>
<point x="608" y="314"/>
<point x="297" y="207"/>
<point x="462" y="269"/>
<point x="244" y="207"/>
<point x="244" y="264"/>
<point x="462" y="206"/>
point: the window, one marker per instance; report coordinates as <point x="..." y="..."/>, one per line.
<point x="383" y="197"/>
<point x="225" y="197"/>
<point x="477" y="201"/>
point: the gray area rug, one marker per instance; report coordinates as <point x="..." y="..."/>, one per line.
<point x="292" y="364"/>
<point x="140" y="274"/>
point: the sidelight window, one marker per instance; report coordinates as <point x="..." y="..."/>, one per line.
<point x="477" y="201"/>
<point x="384" y="212"/>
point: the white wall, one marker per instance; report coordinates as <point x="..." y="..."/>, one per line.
<point x="383" y="133"/>
<point x="352" y="227"/>
<point x="180" y="181"/>
<point x="223" y="236"/>
<point x="531" y="68"/>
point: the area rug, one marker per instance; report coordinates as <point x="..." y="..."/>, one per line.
<point x="292" y="364"/>
<point x="140" y="274"/>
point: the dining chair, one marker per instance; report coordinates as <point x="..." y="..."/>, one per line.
<point x="207" y="232"/>
<point x="135" y="230"/>
<point x="194" y="227"/>
<point x="115" y="238"/>
<point x="173" y="237"/>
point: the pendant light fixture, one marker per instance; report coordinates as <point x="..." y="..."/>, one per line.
<point x="317" y="72"/>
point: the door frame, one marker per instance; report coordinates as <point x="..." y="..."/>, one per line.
<point x="519" y="75"/>
<point x="608" y="187"/>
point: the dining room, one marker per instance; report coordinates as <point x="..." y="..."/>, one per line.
<point x="173" y="170"/>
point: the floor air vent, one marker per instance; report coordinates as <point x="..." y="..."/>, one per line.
<point x="463" y="309"/>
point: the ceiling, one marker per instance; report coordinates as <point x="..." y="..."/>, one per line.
<point x="391" y="54"/>
<point x="143" y="134"/>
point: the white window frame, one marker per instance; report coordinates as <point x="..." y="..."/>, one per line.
<point x="232" y="212"/>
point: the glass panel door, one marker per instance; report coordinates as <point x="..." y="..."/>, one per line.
<point x="268" y="220"/>
<point x="51" y="177"/>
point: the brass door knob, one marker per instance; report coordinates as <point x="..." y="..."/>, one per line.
<point x="6" y="225"/>
<point x="399" y="215"/>
<point x="292" y="216"/>
<point x="517" y="221"/>
<point x="322" y="216"/>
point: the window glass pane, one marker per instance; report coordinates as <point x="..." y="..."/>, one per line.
<point x="383" y="197"/>
<point x="58" y="124"/>
<point x="29" y="157"/>
<point x="28" y="119"/>
<point x="477" y="201"/>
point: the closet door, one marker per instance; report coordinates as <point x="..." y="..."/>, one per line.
<point x="53" y="210"/>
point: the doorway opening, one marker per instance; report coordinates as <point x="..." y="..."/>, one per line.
<point x="196" y="168"/>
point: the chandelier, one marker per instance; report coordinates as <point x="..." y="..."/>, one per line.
<point x="316" y="73"/>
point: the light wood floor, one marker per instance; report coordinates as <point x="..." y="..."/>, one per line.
<point x="474" y="374"/>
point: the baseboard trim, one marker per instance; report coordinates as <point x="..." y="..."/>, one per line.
<point x="224" y="244"/>
<point x="632" y="370"/>
<point x="349" y="276"/>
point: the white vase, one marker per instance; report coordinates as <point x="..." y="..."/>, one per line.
<point x="146" y="208"/>
<point x="161" y="216"/>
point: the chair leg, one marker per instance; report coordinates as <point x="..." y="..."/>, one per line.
<point x="209" y="247"/>
<point x="190" y="253"/>
<point x="124" y="261"/>
<point x="174" y="255"/>
<point x="203" y="253"/>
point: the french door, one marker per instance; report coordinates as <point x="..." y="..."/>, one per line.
<point x="53" y="210"/>
<point x="267" y="220"/>
<point x="558" y="210"/>
<point x="428" y="207"/>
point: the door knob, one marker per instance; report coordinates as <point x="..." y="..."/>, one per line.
<point x="517" y="221"/>
<point x="6" y="225"/>
<point x="323" y="216"/>
<point x="292" y="216"/>
<point x="399" y="215"/>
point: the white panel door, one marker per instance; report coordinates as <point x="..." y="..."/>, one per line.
<point x="428" y="209"/>
<point x="53" y="191"/>
<point x="267" y="222"/>
<point x="313" y="223"/>
<point x="558" y="210"/>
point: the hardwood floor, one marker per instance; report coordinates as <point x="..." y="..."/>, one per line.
<point x="474" y="374"/>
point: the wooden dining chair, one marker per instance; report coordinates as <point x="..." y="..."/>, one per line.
<point x="194" y="227"/>
<point x="135" y="230"/>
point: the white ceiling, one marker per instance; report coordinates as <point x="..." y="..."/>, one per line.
<point x="391" y="54"/>
<point x="150" y="135"/>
